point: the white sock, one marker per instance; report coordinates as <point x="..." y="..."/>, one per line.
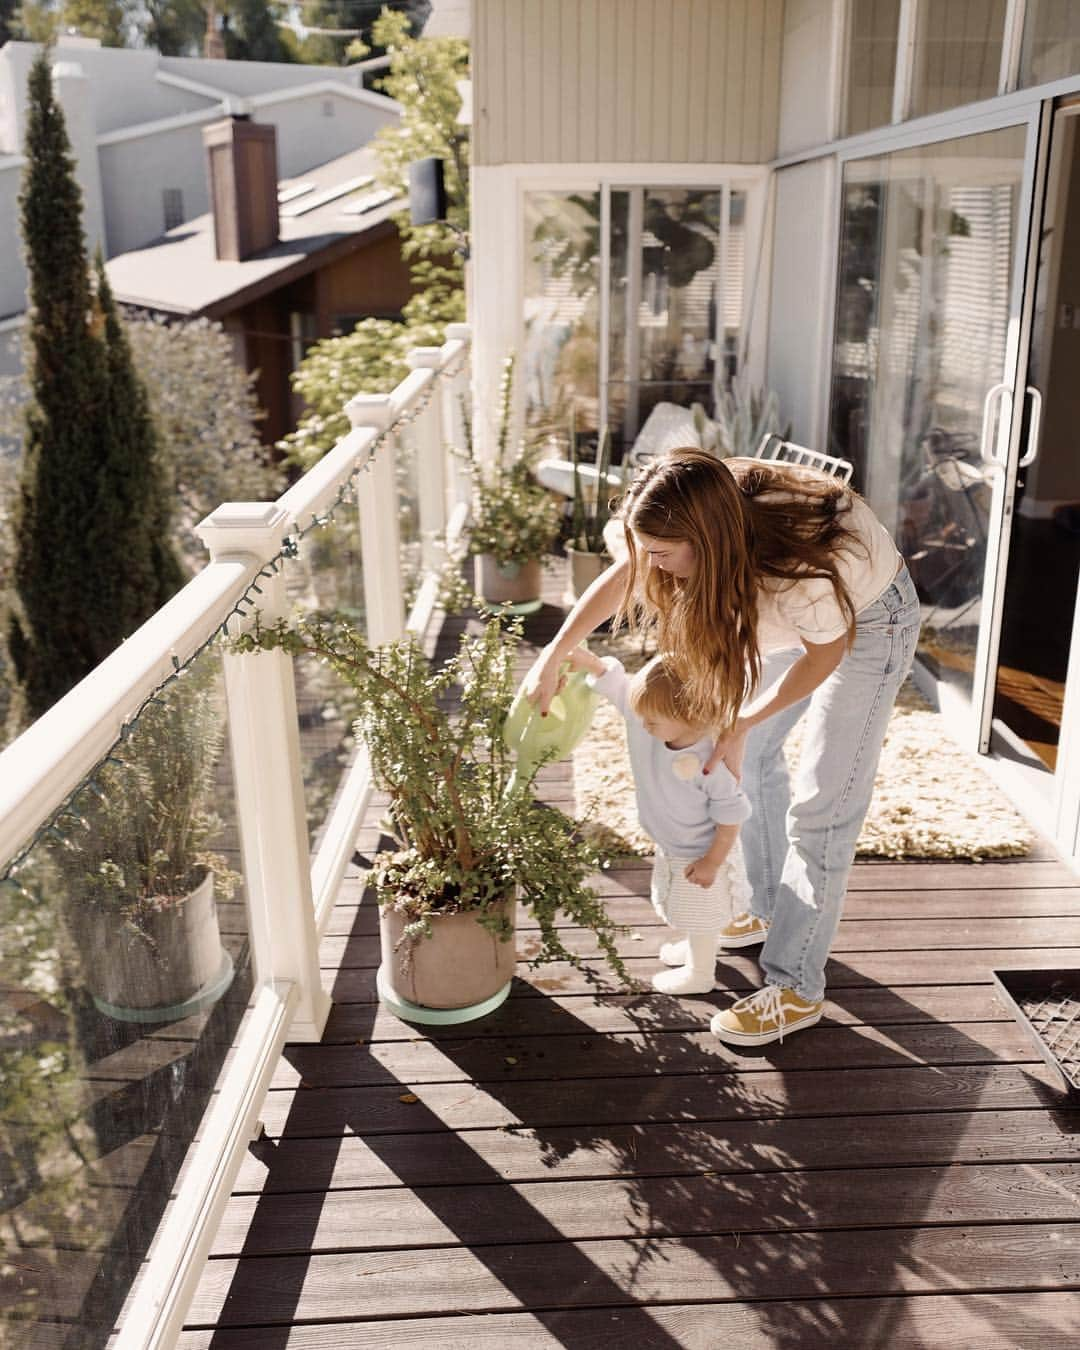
<point x="675" y="953"/>
<point x="698" y="975"/>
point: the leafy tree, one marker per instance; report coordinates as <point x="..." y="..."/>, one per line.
<point x="174" y="27"/>
<point x="205" y="410"/>
<point x="8" y="26"/>
<point x="109" y="20"/>
<point x="423" y="78"/>
<point x="344" y="19"/>
<point x="90" y="562"/>
<point x="252" y="32"/>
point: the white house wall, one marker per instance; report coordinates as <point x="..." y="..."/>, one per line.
<point x="12" y="272"/>
<point x="626" y="81"/>
<point x="126" y="90"/>
<point x="320" y="127"/>
<point x="801" y="294"/>
<point x="254" y="77"/>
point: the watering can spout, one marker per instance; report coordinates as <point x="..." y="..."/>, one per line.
<point x="535" y="740"/>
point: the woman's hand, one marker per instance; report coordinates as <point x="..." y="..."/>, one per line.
<point x="729" y="749"/>
<point x="544" y="679"/>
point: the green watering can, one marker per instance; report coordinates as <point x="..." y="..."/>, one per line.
<point x="534" y="738"/>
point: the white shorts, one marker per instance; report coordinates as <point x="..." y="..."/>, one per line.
<point x="691" y="908"/>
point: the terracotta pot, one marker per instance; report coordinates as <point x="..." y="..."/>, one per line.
<point x="461" y="964"/>
<point x="507" y="583"/>
<point x="585" y="567"/>
<point x="178" y="966"/>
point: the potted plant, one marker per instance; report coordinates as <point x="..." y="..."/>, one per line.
<point x="472" y="842"/>
<point x="514" y="519"/>
<point x="589" y="514"/>
<point x="142" y="880"/>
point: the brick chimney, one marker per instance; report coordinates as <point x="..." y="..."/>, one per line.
<point x="242" y="164"/>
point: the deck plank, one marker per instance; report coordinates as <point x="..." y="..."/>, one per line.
<point x="588" y="1167"/>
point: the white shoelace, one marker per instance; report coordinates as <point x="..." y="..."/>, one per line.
<point x="767" y="1003"/>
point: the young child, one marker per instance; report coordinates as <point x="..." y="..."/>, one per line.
<point x="698" y="875"/>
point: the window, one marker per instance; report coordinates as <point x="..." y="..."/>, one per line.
<point x="871" y="65"/>
<point x="666" y="328"/>
<point x="957" y="53"/>
<point x="173" y="206"/>
<point x="1051" y="47"/>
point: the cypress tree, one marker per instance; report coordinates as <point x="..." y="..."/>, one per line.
<point x="91" y="561"/>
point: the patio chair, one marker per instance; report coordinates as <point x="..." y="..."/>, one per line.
<point x="775" y="447"/>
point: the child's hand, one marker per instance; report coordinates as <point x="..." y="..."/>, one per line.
<point x="702" y="872"/>
<point x="583" y="659"/>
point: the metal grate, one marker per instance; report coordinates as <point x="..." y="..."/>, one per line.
<point x="1046" y="1003"/>
<point x="1057" y="1022"/>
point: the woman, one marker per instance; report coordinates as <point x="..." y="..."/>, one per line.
<point x="774" y="591"/>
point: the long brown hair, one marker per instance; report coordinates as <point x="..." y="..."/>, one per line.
<point x="749" y="521"/>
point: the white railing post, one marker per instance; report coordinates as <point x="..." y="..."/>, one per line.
<point x="456" y="388"/>
<point x="380" y="537"/>
<point x="265" y="740"/>
<point x="431" y="463"/>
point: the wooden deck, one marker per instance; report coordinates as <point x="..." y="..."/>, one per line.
<point x="591" y="1169"/>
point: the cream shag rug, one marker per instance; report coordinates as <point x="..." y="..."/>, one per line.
<point x="931" y="798"/>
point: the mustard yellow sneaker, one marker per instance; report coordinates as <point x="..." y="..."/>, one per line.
<point x="744" y="930"/>
<point x="768" y="1015"/>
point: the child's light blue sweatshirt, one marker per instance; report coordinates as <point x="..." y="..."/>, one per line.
<point x="678" y="805"/>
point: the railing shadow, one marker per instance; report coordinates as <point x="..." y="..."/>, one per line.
<point x="681" y="1172"/>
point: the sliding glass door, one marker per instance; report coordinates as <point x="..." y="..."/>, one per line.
<point x="927" y="344"/>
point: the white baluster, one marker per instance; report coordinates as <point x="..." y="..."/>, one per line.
<point x="380" y="538"/>
<point x="431" y="461"/>
<point x="265" y="741"/>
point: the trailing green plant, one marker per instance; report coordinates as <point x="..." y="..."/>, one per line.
<point x="591" y="508"/>
<point x="149" y="832"/>
<point x="469" y="831"/>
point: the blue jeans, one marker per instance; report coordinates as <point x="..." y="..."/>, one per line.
<point x="799" y="843"/>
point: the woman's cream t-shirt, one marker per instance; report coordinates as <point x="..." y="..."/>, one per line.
<point x="790" y="612"/>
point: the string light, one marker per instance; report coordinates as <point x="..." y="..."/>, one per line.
<point x="289" y="549"/>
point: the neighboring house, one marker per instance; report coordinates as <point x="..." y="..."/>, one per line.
<point x="873" y="206"/>
<point x="280" y="263"/>
<point x="135" y="119"/>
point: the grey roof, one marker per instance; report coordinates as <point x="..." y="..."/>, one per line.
<point x="179" y="274"/>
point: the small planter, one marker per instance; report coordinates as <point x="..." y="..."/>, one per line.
<point x="461" y="972"/>
<point x="1046" y="1003"/>
<point x="177" y="968"/>
<point x="584" y="568"/>
<point x="513" y="587"/>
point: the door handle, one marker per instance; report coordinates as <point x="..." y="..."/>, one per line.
<point x="1033" y="429"/>
<point x="995" y="392"/>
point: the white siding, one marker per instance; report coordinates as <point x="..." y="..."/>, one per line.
<point x="626" y="81"/>
<point x="12" y="272"/>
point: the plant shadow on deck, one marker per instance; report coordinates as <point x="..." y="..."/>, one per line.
<point x="587" y="1157"/>
<point x="682" y="1172"/>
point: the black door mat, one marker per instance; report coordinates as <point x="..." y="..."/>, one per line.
<point x="1046" y="1003"/>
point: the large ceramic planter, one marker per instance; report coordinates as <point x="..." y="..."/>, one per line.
<point x="461" y="972"/>
<point x="173" y="967"/>
<point x="514" y="587"/>
<point x="584" y="568"/>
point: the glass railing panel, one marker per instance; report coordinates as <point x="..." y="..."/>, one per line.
<point x="407" y="468"/>
<point x="123" y="977"/>
<point x="326" y="578"/>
